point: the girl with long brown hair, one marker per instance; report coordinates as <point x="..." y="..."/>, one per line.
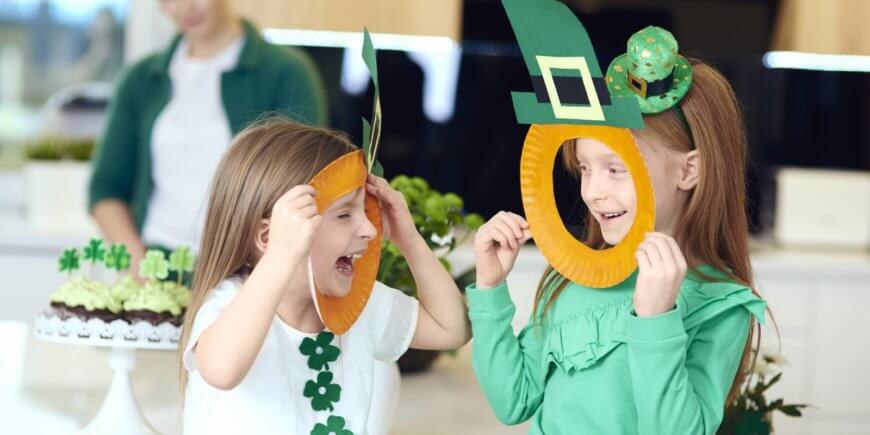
<point x="254" y="355"/>
<point x="666" y="349"/>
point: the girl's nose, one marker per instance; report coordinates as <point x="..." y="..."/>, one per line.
<point x="595" y="189"/>
<point x="367" y="230"/>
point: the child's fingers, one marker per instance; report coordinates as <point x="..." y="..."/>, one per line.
<point x="675" y="255"/>
<point x="660" y="255"/>
<point x="301" y="190"/>
<point x="497" y="236"/>
<point x="308" y="211"/>
<point x="378" y="181"/>
<point x="510" y="222"/>
<point x="386" y="194"/>
<point x="642" y="260"/>
<point x="523" y="223"/>
<point x="527" y="235"/>
<point x="507" y="232"/>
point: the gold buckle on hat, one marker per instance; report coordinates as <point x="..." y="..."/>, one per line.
<point x="592" y="112"/>
<point x="637" y="85"/>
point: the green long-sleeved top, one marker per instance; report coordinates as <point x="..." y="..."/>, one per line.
<point x="267" y="79"/>
<point x="593" y="367"/>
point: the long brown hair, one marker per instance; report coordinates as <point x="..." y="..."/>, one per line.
<point x="263" y="162"/>
<point x="713" y="229"/>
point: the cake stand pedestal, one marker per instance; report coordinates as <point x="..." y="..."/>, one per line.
<point x="119" y="413"/>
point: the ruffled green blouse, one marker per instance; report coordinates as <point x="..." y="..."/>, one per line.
<point x="593" y="367"/>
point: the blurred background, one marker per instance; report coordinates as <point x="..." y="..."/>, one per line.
<point x="801" y="70"/>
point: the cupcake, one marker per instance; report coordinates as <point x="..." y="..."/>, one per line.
<point x="157" y="302"/>
<point x="85" y="299"/>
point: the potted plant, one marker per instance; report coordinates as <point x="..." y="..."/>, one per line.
<point x="751" y="413"/>
<point x="56" y="178"/>
<point x="437" y="217"/>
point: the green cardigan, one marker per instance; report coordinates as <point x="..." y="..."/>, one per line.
<point x="592" y="367"/>
<point x="266" y="79"/>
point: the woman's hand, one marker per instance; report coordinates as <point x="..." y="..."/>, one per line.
<point x="496" y="246"/>
<point x="398" y="225"/>
<point x="294" y="223"/>
<point x="662" y="271"/>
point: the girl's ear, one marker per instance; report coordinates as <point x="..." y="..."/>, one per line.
<point x="261" y="240"/>
<point x="690" y="170"/>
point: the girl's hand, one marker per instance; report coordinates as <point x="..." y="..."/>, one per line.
<point x="496" y="246"/>
<point x="294" y="222"/>
<point x="398" y="225"/>
<point x="662" y="270"/>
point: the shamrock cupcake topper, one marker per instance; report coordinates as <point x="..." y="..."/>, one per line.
<point x="118" y="258"/>
<point x="69" y="261"/>
<point x="154" y="266"/>
<point x="181" y="260"/>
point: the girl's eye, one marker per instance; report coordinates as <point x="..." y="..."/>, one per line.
<point x="617" y="170"/>
<point x="344" y="216"/>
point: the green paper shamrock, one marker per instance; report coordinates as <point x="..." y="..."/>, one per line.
<point x="323" y="393"/>
<point x="154" y="265"/>
<point x="181" y="260"/>
<point x="69" y="261"/>
<point x="320" y="352"/>
<point x="118" y="258"/>
<point x="334" y="425"/>
<point x="94" y="252"/>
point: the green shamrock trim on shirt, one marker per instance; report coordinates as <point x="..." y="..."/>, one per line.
<point x="319" y="351"/>
<point x="323" y="393"/>
<point x="334" y="425"/>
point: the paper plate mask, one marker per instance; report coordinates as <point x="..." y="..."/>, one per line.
<point x="345" y="175"/>
<point x="570" y="100"/>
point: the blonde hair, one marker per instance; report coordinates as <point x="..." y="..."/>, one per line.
<point x="263" y="162"/>
<point x="713" y="229"/>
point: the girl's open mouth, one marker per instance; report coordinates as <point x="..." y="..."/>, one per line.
<point x="344" y="264"/>
<point x="611" y="216"/>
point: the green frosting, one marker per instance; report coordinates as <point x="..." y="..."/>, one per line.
<point x="159" y="297"/>
<point x="179" y="292"/>
<point x="125" y="288"/>
<point x="91" y="295"/>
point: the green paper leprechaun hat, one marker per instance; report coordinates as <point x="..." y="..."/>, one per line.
<point x="652" y="70"/>
<point x="567" y="81"/>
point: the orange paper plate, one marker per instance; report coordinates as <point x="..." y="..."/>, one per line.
<point x="569" y="256"/>
<point x="343" y="176"/>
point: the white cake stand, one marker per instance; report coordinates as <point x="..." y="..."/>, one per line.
<point x="120" y="413"/>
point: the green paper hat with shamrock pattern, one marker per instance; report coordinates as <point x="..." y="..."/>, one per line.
<point x="652" y="70"/>
<point x="567" y="81"/>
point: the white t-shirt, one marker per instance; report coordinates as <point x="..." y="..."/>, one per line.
<point x="271" y="399"/>
<point x="188" y="140"/>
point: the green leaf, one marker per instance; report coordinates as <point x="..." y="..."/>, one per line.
<point x="435" y="208"/>
<point x="473" y="221"/>
<point x="792" y="410"/>
<point x="400" y="183"/>
<point x="453" y="201"/>
<point x="770" y="383"/>
<point x="420" y="184"/>
<point x="454" y="218"/>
